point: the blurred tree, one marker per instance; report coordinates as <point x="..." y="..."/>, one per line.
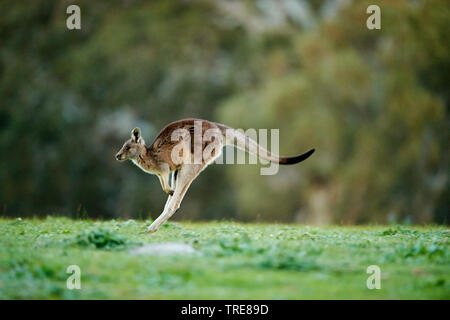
<point x="375" y="107"/>
<point x="374" y="104"/>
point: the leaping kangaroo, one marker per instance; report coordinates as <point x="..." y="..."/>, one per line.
<point x="177" y="156"/>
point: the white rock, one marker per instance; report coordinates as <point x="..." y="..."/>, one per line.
<point x="168" y="248"/>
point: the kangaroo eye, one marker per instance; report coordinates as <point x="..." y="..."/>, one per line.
<point x="127" y="148"/>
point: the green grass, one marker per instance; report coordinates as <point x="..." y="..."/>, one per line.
<point x="233" y="261"/>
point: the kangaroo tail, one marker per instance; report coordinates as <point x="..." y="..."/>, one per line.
<point x="243" y="142"/>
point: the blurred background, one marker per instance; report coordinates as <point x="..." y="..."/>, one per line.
<point x="374" y="104"/>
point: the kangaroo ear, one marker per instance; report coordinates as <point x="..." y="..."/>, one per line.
<point x="136" y="134"/>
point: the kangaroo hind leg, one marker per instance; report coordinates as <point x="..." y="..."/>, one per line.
<point x="184" y="178"/>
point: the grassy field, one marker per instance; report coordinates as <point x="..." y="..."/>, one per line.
<point x="231" y="261"/>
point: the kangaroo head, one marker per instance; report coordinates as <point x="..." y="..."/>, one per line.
<point x="133" y="147"/>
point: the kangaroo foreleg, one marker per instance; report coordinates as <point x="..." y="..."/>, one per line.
<point x="164" y="178"/>
<point x="173" y="181"/>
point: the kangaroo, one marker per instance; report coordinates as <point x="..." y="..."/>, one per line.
<point x="182" y="150"/>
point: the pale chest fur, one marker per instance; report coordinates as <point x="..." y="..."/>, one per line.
<point x="150" y="167"/>
<point x="144" y="166"/>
